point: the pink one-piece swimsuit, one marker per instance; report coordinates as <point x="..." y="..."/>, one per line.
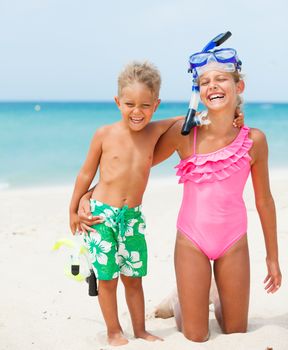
<point x="213" y="214"/>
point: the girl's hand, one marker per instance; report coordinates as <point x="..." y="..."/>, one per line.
<point x="85" y="217"/>
<point x="274" y="277"/>
<point x="74" y="223"/>
<point x="238" y="122"/>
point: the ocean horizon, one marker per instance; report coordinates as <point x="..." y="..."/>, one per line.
<point x="45" y="143"/>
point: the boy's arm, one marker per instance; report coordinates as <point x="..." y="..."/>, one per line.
<point x="85" y="177"/>
<point x="161" y="126"/>
<point x="266" y="208"/>
<point x="238" y="121"/>
<point x="168" y="143"/>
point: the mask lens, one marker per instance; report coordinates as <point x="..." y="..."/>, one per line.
<point x="224" y="55"/>
<point x="199" y="58"/>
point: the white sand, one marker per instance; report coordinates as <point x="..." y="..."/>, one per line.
<point x="40" y="308"/>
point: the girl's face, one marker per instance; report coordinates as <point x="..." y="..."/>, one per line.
<point x="137" y="104"/>
<point x="219" y="91"/>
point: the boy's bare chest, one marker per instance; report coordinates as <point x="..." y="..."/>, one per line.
<point x="128" y="154"/>
<point x="129" y="147"/>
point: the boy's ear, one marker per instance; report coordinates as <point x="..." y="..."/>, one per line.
<point x="240" y="86"/>
<point x="117" y="101"/>
<point x="157" y="104"/>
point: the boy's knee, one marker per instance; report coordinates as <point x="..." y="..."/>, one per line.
<point x="131" y="282"/>
<point x="109" y="285"/>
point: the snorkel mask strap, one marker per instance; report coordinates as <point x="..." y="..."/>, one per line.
<point x="191" y="119"/>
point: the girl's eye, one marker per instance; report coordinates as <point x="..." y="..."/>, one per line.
<point x="129" y="104"/>
<point x="146" y="106"/>
<point x="203" y="83"/>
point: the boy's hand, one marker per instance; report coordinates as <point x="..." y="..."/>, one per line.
<point x="85" y="217"/>
<point x="238" y="122"/>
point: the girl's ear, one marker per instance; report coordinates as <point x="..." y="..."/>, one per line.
<point x="240" y="86"/>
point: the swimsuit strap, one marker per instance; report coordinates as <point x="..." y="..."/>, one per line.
<point x="194" y="141"/>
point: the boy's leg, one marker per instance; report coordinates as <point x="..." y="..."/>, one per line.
<point x="193" y="275"/>
<point x="132" y="256"/>
<point x="135" y="301"/>
<point x="102" y="247"/>
<point x="108" y="303"/>
<point x="232" y="275"/>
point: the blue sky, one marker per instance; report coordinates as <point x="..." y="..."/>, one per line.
<point x="73" y="50"/>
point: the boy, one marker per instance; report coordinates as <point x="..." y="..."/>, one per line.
<point x="123" y="152"/>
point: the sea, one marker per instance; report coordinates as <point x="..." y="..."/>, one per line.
<point x="45" y="143"/>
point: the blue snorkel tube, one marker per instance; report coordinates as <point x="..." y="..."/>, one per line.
<point x="191" y="120"/>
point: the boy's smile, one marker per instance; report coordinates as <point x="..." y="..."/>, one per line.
<point x="137" y="104"/>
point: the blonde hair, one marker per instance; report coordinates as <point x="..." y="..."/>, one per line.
<point x="237" y="76"/>
<point x="141" y="72"/>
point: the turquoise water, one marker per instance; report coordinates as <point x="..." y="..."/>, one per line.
<point x="48" y="146"/>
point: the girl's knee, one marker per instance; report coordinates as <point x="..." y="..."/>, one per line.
<point x="198" y="337"/>
<point x="239" y="328"/>
<point x="196" y="334"/>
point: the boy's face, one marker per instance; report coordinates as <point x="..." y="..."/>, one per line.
<point x="137" y="104"/>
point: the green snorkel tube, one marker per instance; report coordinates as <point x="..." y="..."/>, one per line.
<point x="191" y="119"/>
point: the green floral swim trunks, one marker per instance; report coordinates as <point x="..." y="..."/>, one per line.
<point x="118" y="245"/>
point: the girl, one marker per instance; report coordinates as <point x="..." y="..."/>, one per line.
<point x="212" y="223"/>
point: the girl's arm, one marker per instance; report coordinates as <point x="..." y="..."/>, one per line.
<point x="84" y="213"/>
<point x="266" y="208"/>
<point x="85" y="177"/>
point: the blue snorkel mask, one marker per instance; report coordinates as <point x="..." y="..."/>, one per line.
<point x="224" y="59"/>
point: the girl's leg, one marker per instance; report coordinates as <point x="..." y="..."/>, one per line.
<point x="166" y="308"/>
<point x="232" y="275"/>
<point x="193" y="275"/>
<point x="135" y="301"/>
<point x="108" y="304"/>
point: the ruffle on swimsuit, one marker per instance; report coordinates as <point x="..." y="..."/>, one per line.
<point x="217" y="165"/>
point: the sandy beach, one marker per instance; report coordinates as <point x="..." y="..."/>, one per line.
<point x="40" y="308"/>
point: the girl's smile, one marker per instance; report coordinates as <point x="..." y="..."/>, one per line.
<point x="218" y="90"/>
